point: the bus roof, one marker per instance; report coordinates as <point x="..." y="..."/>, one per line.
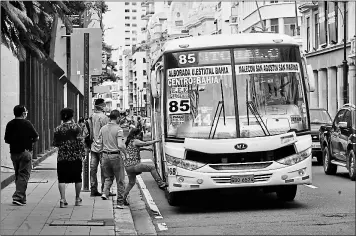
<point x="219" y="40"/>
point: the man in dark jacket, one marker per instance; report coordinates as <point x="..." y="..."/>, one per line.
<point x="21" y="134"/>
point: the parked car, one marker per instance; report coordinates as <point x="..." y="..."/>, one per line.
<point x="338" y="142"/>
<point x="318" y="117"/>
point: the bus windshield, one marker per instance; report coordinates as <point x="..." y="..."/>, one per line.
<point x="200" y="101"/>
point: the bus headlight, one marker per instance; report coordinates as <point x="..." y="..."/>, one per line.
<point x="185" y="164"/>
<point x="294" y="159"/>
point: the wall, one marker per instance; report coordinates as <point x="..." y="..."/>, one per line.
<point x="10" y="88"/>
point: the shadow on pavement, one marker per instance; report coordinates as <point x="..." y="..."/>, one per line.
<point x="234" y="200"/>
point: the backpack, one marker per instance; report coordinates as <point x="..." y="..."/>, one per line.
<point x="89" y="138"/>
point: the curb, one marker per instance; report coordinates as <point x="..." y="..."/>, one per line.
<point x="147" y="198"/>
<point x="41" y="157"/>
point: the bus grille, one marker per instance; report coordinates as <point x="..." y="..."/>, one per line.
<point x="247" y="166"/>
<point x="237" y="158"/>
<point x="227" y="179"/>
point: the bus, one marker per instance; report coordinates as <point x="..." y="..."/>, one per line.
<point x="232" y="111"/>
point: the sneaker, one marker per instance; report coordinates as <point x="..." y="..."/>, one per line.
<point x="104" y="197"/>
<point x="126" y="202"/>
<point x="18" y="202"/>
<point x="119" y="207"/>
<point x="163" y="186"/>
<point x="95" y="194"/>
<point x="112" y="194"/>
<point x="62" y="204"/>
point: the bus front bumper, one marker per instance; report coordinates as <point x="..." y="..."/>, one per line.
<point x="186" y="180"/>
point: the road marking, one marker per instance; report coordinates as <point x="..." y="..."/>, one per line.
<point x="310" y="186"/>
<point x="148" y="198"/>
<point x="162" y="226"/>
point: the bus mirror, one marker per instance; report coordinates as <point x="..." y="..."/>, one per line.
<point x="311" y="78"/>
<point x="154" y="84"/>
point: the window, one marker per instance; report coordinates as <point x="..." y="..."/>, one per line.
<point x="339" y="117"/>
<point x="134" y="4"/>
<point x="127" y="3"/>
<point x="127" y="38"/>
<point x="179" y="23"/>
<point x="128" y="25"/>
<point x="144" y="60"/>
<point x="134" y="10"/>
<point x="134" y="17"/>
<point x="308" y="34"/>
<point x="289" y="26"/>
<point x="316" y="30"/>
<point x="274" y="1"/>
<point x="134" y="25"/>
<point x="127" y="18"/>
<point x="133" y="39"/>
<point x="332" y="22"/>
<point x="127" y="31"/>
<point x="144" y="72"/>
<point x="274" y="25"/>
<point x="347" y="21"/>
<point x="144" y="84"/>
<point x="127" y="10"/>
<point x="134" y="32"/>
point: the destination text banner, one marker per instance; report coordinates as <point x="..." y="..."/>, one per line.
<point x="267" y="68"/>
<point x="197" y="75"/>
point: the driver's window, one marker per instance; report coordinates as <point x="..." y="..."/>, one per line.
<point x="339" y="117"/>
<point x="347" y="118"/>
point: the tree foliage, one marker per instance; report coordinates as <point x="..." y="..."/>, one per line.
<point x="26" y="25"/>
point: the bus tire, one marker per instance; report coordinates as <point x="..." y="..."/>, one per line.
<point x="174" y="199"/>
<point x="287" y="193"/>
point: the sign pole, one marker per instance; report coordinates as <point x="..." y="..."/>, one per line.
<point x="86" y="108"/>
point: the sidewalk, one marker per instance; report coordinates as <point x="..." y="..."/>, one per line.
<point x="42" y="215"/>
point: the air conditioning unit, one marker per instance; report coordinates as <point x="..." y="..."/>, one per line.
<point x="234" y="20"/>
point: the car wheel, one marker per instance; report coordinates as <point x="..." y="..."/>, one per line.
<point x="329" y="168"/>
<point x="287" y="193"/>
<point x="352" y="165"/>
<point x="174" y="199"/>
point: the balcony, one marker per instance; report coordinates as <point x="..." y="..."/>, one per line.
<point x="131" y="90"/>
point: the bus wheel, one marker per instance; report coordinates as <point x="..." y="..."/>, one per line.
<point x="174" y="199"/>
<point x="287" y="193"/>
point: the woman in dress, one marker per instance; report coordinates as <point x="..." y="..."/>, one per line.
<point x="133" y="164"/>
<point x="68" y="138"/>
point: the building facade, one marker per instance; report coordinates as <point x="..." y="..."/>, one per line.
<point x="323" y="46"/>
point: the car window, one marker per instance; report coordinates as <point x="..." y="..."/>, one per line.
<point x="339" y="117"/>
<point x="347" y="118"/>
<point x="320" y="116"/>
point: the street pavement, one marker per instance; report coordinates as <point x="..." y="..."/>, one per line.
<point x="94" y="217"/>
<point x="328" y="209"/>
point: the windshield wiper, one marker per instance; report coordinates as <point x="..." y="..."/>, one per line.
<point x="258" y="117"/>
<point x="220" y="105"/>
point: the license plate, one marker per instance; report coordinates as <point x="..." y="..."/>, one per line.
<point x="315" y="145"/>
<point x="242" y="179"/>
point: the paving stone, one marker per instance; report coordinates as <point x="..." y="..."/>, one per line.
<point x="72" y="230"/>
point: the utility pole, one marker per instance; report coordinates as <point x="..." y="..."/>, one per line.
<point x="86" y="107"/>
<point x="344" y="62"/>
<point x="296" y="18"/>
<point x="259" y="14"/>
<point x="141" y="102"/>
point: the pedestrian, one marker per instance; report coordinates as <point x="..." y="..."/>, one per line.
<point x="97" y="120"/>
<point x="20" y="135"/>
<point x="69" y="140"/>
<point x="112" y="147"/>
<point x="133" y="164"/>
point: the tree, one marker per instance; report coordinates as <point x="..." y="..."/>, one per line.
<point x="26" y="25"/>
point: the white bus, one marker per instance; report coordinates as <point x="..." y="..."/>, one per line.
<point x="232" y="112"/>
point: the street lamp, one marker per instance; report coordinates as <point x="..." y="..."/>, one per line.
<point x="344" y="62"/>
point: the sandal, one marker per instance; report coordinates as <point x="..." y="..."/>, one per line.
<point x="78" y="201"/>
<point x="63" y="203"/>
